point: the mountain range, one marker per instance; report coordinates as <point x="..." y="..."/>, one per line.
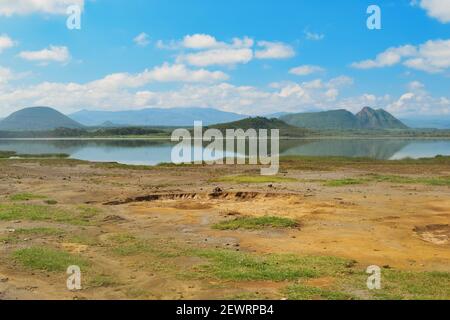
<point x="155" y="117"/>
<point x="45" y="118"/>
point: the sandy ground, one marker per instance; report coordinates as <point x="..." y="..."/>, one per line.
<point x="404" y="227"/>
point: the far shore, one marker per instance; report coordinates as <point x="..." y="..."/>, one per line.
<point x="281" y="138"/>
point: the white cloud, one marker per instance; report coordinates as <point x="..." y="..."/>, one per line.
<point x="23" y="7"/>
<point x="115" y="91"/>
<point x="5" y="75"/>
<point x="164" y="73"/>
<point x="200" y="41"/>
<point x="50" y="54"/>
<point x="142" y="39"/>
<point x="6" y="42"/>
<point x="306" y="70"/>
<point x="439" y="9"/>
<point x="432" y="56"/>
<point x="387" y="58"/>
<point x="227" y="56"/>
<point x="274" y="50"/>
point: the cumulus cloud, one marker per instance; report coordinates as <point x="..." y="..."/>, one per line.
<point x="274" y="50"/>
<point x="24" y="7"/>
<point x="50" y="54"/>
<point x="200" y="41"/>
<point x="432" y="56"/>
<point x="417" y="100"/>
<point x="205" y="50"/>
<point x="387" y="58"/>
<point x="142" y="39"/>
<point x="306" y="70"/>
<point x="227" y="56"/>
<point x="6" y="42"/>
<point x="439" y="9"/>
<point x="115" y="91"/>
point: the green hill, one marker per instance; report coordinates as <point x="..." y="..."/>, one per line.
<point x="37" y="119"/>
<point x="378" y="119"/>
<point x="257" y="123"/>
<point x="335" y="119"/>
<point x="367" y="118"/>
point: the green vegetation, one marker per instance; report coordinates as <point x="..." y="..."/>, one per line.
<point x="344" y="182"/>
<point x="250" y="223"/>
<point x="432" y="181"/>
<point x="253" y="179"/>
<point x="12" y="154"/>
<point x="125" y="132"/>
<point x="414" y="285"/>
<point x="24" y="234"/>
<point x="302" y="292"/>
<point x="10" y="212"/>
<point x="367" y="118"/>
<point x="238" y="266"/>
<point x="39" y="232"/>
<point x="103" y="280"/>
<point x="46" y="259"/>
<point x="286" y="130"/>
<point x="414" y="166"/>
<point x="25" y="197"/>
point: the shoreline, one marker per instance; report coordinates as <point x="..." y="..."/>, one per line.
<point x="281" y="138"/>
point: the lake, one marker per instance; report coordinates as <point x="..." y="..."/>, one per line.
<point x="151" y="152"/>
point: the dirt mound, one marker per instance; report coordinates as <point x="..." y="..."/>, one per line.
<point x="237" y="196"/>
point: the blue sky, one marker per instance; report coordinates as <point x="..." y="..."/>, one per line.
<point x="248" y="56"/>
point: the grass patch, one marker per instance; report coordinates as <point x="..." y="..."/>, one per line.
<point x="103" y="280"/>
<point x="10" y="154"/>
<point x="10" y="212"/>
<point x="39" y="232"/>
<point x="344" y="182"/>
<point x="250" y="223"/>
<point x="238" y="266"/>
<point x="26" y="197"/>
<point x="253" y="179"/>
<point x="46" y="259"/>
<point x="19" y="234"/>
<point x="301" y="292"/>
<point x="414" y="285"/>
<point x="432" y="181"/>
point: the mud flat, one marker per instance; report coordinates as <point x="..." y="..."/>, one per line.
<point x="201" y="232"/>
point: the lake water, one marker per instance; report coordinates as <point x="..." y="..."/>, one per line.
<point x="152" y="152"/>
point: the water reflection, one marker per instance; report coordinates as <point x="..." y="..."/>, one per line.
<point x="153" y="151"/>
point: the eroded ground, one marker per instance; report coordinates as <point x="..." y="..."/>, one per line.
<point x="175" y="233"/>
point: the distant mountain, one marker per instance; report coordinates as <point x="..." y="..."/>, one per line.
<point x="257" y="123"/>
<point x="155" y="117"/>
<point x="276" y="115"/>
<point x="335" y="119"/>
<point x="427" y="122"/>
<point x="37" y="119"/>
<point x="367" y="118"/>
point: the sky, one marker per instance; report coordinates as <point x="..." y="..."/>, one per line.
<point x="253" y="57"/>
